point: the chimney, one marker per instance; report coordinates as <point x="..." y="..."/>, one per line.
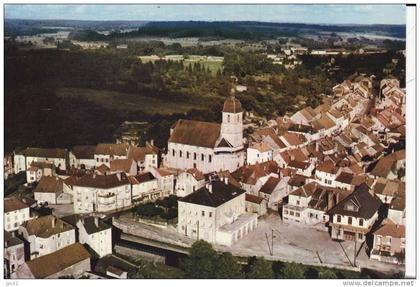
<point x="210" y="188"/>
<point x="337" y="198"/>
<point x="152" y="142"/>
<point x="96" y="221"/>
<point x="226" y="180"/>
<point x="330" y="200"/>
<point x="53" y="222"/>
<point x="119" y="176"/>
<point x="317" y="146"/>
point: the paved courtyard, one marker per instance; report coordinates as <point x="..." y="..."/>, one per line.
<point x="291" y="242"/>
<point x="308" y="245"/>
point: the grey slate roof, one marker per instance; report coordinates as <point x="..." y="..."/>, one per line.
<point x="220" y="194"/>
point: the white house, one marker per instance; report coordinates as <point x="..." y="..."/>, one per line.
<point x="128" y="166"/>
<point x="59" y="157"/>
<point x="101" y="193"/>
<point x="15" y="213"/>
<point x="354" y="216"/>
<point x="47" y="234"/>
<point x="145" y="185"/>
<point x="93" y="232"/>
<point x="215" y="213"/>
<point x="82" y="157"/>
<point x="165" y="180"/>
<point x="189" y="181"/>
<point x="48" y="189"/>
<point x="258" y="152"/>
<point x="207" y="146"/>
<point x="39" y="169"/>
<point x="107" y="152"/>
<point x="14" y="254"/>
<point x="146" y="157"/>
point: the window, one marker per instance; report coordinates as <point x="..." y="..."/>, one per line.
<point x="297" y="214"/>
<point x="209" y="158"/>
<point x="338" y="218"/>
<point x="297" y="202"/>
<point x="188" y="154"/>
<point x="350" y="220"/>
<point x="210" y="214"/>
<point x="202" y="157"/>
<point x="180" y="153"/>
<point x="286" y="211"/>
<point x="195" y="156"/>
<point x="360" y="235"/>
<point x="173" y="152"/>
<point x="361" y="221"/>
<point x="228" y="118"/>
<point x="203" y="213"/>
<point x="102" y="160"/>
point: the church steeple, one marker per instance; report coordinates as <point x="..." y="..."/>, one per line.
<point x="231" y="128"/>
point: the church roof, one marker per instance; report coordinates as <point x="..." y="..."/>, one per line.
<point x="232" y="105"/>
<point x="224" y="143"/>
<point x="195" y="133"/>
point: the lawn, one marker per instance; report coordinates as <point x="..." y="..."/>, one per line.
<point x="126" y="102"/>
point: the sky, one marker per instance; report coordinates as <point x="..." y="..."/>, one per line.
<point x="321" y="14"/>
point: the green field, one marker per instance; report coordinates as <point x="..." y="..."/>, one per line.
<point x="214" y="66"/>
<point x="126" y="102"/>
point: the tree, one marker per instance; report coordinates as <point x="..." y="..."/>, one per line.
<point x="293" y="271"/>
<point x="202" y="262"/>
<point x="259" y="268"/>
<point x="327" y="274"/>
<point x="228" y="268"/>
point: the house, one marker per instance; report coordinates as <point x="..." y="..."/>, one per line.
<point x="14" y="254"/>
<point x="255" y="204"/>
<point x="82" y="157"/>
<point x="15" y="213"/>
<point x="304" y="116"/>
<point x="189" y="181"/>
<point x="353" y="217"/>
<point x="391" y="166"/>
<point x="38" y="169"/>
<point x="46" y="235"/>
<point x="128" y="166"/>
<point x="93" y="232"/>
<point x="389" y="243"/>
<point x="145" y="186"/>
<point x="253" y="177"/>
<point x="273" y="192"/>
<point x="326" y="173"/>
<point x="387" y="190"/>
<point x="23" y="160"/>
<point x="298" y="201"/>
<point x="258" y="152"/>
<point x="165" y="180"/>
<point x="146" y="157"/>
<point x="396" y="210"/>
<point x="72" y="260"/>
<point x="49" y="188"/>
<point x="107" y="152"/>
<point x="101" y="193"/>
<point x="206" y="146"/>
<point x="215" y="213"/>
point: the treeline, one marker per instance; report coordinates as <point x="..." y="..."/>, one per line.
<point x="204" y="262"/>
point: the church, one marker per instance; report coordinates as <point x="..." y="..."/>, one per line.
<point x="206" y="146"/>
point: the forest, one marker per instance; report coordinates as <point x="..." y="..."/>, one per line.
<point x="39" y="113"/>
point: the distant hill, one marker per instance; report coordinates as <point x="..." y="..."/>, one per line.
<point x="247" y="30"/>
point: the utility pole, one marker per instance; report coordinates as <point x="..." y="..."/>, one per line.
<point x="272" y="241"/>
<point x="355" y="248"/>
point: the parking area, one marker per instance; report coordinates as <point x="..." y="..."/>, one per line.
<point x="307" y="245"/>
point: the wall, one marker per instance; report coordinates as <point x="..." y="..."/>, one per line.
<point x="15" y="218"/>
